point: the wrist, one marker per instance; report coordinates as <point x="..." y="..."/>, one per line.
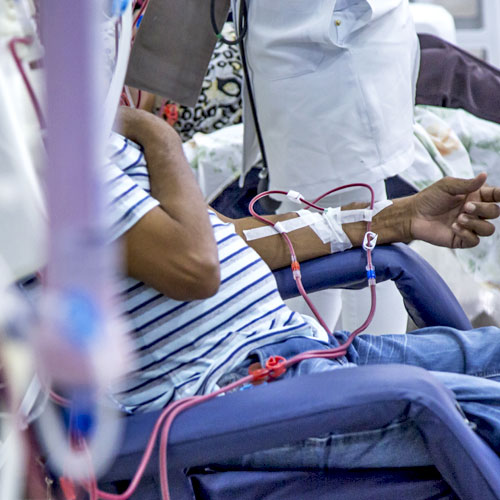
<point x="394" y="223"/>
<point x="406" y="207"/>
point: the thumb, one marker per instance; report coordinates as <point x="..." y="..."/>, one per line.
<point x="454" y="186"/>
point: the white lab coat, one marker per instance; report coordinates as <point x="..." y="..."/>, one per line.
<point x="334" y="84"/>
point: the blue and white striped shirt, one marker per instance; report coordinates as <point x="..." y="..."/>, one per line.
<point x="183" y="348"/>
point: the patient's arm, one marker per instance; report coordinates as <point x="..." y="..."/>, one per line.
<point x="392" y="224"/>
<point x="449" y="213"/>
<point x="172" y="248"/>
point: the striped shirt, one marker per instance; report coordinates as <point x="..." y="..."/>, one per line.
<point x="183" y="348"/>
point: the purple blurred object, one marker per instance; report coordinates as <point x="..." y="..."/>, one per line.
<point x="452" y="78"/>
<point x="78" y="333"/>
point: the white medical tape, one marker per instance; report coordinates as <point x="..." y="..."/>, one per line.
<point x="315" y="221"/>
<point x="258" y="232"/>
<point x="285" y="226"/>
<point x="327" y="226"/>
<point x="338" y="239"/>
<point x="278" y="226"/>
<point x="321" y="227"/>
<point x="364" y="214"/>
<point x="309" y="218"/>
<point x="295" y="196"/>
<point x="381" y="205"/>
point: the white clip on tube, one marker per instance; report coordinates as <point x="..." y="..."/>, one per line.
<point x="372" y="243"/>
<point x="295" y="196"/>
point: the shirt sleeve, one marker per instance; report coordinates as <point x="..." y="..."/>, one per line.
<point x="126" y="201"/>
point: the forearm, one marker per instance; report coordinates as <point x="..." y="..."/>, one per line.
<point x="392" y="225"/>
<point x="451" y="212"/>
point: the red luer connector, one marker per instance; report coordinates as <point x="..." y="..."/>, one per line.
<point x="258" y="373"/>
<point x="277" y="366"/>
<point x="68" y="488"/>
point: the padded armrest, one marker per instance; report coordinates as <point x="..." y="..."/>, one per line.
<point x="267" y="416"/>
<point x="426" y="296"/>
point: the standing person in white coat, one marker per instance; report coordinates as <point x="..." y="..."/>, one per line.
<point x="334" y="86"/>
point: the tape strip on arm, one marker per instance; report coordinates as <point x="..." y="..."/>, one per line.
<point x="338" y="239"/>
<point x="326" y="225"/>
<point x="364" y="214"/>
<point x="286" y="226"/>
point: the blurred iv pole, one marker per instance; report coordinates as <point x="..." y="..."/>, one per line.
<point x="80" y="346"/>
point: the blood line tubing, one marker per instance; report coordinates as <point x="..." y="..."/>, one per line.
<point x="271" y="371"/>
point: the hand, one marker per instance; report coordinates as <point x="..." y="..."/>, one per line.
<point x="129" y="120"/>
<point x="141" y="126"/>
<point x="454" y="212"/>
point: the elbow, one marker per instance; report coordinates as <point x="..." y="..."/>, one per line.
<point x="204" y="279"/>
<point x="190" y="275"/>
<point x="198" y="277"/>
<point x="182" y="268"/>
<point x="203" y="272"/>
<point x="201" y="268"/>
<point x="191" y="281"/>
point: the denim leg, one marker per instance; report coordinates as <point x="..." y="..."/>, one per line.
<point x="474" y="352"/>
<point x="396" y="445"/>
<point x="399" y="444"/>
<point x="468" y="363"/>
<point x="479" y="399"/>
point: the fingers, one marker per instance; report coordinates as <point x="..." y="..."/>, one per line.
<point x="455" y="186"/>
<point x="490" y="194"/>
<point x="478" y="226"/>
<point x="471" y="225"/>
<point x="463" y="238"/>
<point x="484" y="210"/>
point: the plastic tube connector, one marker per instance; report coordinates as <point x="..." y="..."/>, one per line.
<point x="68" y="488"/>
<point x="276" y="365"/>
<point x="118" y="7"/>
<point x="296" y="270"/>
<point x="370" y="274"/>
<point x="259" y="374"/>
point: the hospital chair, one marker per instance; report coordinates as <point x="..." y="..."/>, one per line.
<point x="343" y="401"/>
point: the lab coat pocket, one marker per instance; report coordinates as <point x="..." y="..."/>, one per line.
<point x="286" y="38"/>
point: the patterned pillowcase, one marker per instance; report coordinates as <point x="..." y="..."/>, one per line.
<point x="219" y="103"/>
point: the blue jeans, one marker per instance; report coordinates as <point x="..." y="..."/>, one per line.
<point x="466" y="362"/>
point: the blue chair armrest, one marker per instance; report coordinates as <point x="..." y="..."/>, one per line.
<point x="268" y="416"/>
<point x="426" y="296"/>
